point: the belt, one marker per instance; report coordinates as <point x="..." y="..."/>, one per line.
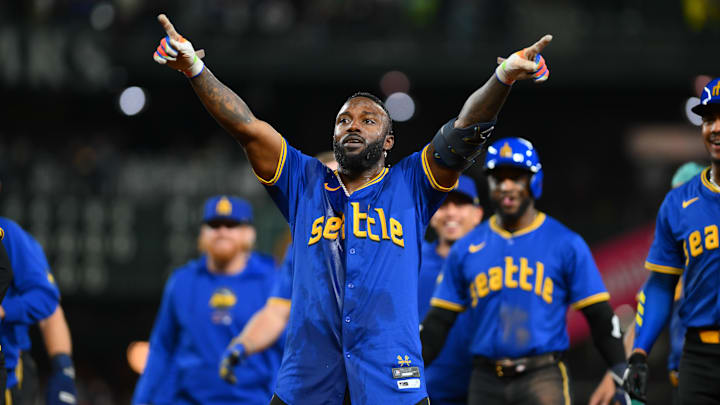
<point x="512" y="367"/>
<point x="706" y="335"/>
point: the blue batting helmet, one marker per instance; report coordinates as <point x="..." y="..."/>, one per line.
<point x="520" y="153"/>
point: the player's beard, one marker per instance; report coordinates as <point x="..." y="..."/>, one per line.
<point x="510" y="217"/>
<point x="361" y="161"/>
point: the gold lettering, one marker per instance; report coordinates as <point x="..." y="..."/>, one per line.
<point x="342" y="230"/>
<point x="548" y="290"/>
<point x="495" y="278"/>
<point x="481" y="283"/>
<point x="695" y="243"/>
<point x="525" y="272"/>
<point x="332" y="225"/>
<point x="316" y="231"/>
<point x="357" y="217"/>
<point x="396" y="232"/>
<point x="370" y="222"/>
<point x="687" y="256"/>
<point x="510" y="269"/>
<point x="711" y="237"/>
<point x="473" y="295"/>
<point x="383" y="223"/>
<point x="539" y="278"/>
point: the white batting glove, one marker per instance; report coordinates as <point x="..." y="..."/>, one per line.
<point x="524" y="64"/>
<point x="177" y="52"/>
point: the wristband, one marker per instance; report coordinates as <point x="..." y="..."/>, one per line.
<point x="195" y="69"/>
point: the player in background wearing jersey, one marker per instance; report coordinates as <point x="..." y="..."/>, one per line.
<point x="356" y="231"/>
<point x="206" y="303"/>
<point x="32" y="297"/>
<point x="606" y="391"/>
<point x="686" y="244"/>
<point x="6" y="276"/>
<point x="449" y="375"/>
<point x="516" y="274"/>
<point x="268" y="324"/>
<point x="55" y="332"/>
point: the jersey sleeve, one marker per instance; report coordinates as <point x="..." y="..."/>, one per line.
<point x="586" y="286"/>
<point x="666" y="253"/>
<point x="451" y="293"/>
<point x="282" y="291"/>
<point x="286" y="186"/>
<point x="163" y="341"/>
<point x="428" y="193"/>
<point x="32" y="295"/>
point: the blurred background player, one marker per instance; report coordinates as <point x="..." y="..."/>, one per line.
<point x="686" y="244"/>
<point x="516" y="274"/>
<point x="268" y="324"/>
<point x="205" y="304"/>
<point x="6" y="275"/>
<point x="607" y="390"/>
<point x="32" y="297"/>
<point x="355" y="229"/>
<point x="449" y="375"/>
<point x="55" y="333"/>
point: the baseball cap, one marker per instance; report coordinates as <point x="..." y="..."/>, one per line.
<point x="709" y="99"/>
<point x="227" y="208"/>
<point x="466" y="187"/>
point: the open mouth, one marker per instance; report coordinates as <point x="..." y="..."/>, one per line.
<point x="353" y="140"/>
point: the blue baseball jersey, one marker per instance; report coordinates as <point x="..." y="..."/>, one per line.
<point x="518" y="286"/>
<point x="356" y="260"/>
<point x="686" y="243"/>
<point x="282" y="292"/>
<point x="32" y="296"/>
<point x="199" y="315"/>
<point x="448" y="377"/>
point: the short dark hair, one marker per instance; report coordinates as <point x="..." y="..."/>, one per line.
<point x="377" y="101"/>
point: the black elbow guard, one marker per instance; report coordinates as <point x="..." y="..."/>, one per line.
<point x="457" y="148"/>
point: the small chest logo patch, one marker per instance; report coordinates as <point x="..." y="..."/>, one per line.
<point x="406" y="372"/>
<point x="409" y="383"/>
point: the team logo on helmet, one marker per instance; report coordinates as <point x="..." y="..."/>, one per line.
<point x="223" y="207"/>
<point x="506" y="151"/>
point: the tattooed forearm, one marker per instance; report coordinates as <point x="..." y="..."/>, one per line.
<point x="228" y="109"/>
<point x="484" y="104"/>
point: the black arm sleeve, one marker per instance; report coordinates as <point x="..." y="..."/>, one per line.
<point x="6" y="273"/>
<point x="434" y="331"/>
<point x="605" y="330"/>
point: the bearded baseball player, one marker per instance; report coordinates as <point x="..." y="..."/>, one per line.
<point x="356" y="231"/>
<point x="516" y="275"/>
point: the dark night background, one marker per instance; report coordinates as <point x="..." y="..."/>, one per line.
<point x="115" y="199"/>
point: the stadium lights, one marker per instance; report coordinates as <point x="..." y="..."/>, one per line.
<point x="401" y="106"/>
<point x="132" y="100"/>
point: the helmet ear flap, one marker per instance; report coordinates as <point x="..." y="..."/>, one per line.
<point x="536" y="184"/>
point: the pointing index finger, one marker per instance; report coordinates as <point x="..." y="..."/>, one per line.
<point x="541" y="44"/>
<point x="168" y="27"/>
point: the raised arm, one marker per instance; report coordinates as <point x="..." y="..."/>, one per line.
<point x="460" y="141"/>
<point x="263" y="145"/>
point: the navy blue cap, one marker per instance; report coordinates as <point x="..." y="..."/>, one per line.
<point x="709" y="98"/>
<point x="227" y="208"/>
<point x="466" y="187"/>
